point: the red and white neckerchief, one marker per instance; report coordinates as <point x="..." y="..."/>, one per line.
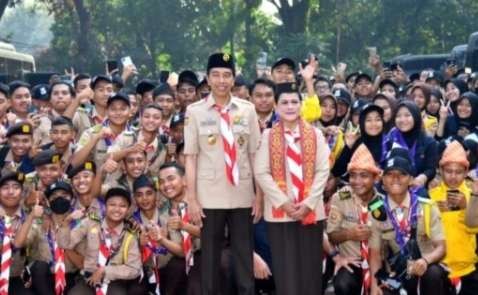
<point x="399" y="213"/>
<point x="6" y="255"/>
<point x="59" y="268"/>
<point x="187" y="239"/>
<point x="230" y="151"/>
<point x="103" y="256"/>
<point x="456" y="283"/>
<point x="294" y="163"/>
<point x="366" y="279"/>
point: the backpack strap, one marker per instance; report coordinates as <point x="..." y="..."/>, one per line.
<point x="126" y="243"/>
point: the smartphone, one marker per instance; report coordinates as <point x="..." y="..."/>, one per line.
<point x="452" y="192"/>
<point x="111" y="65"/>
<point x="372" y="51"/>
<point x="127" y="61"/>
<point x="467" y="70"/>
<point x="261" y="62"/>
<point x="394" y="66"/>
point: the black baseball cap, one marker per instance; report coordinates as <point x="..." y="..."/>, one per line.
<point x="118" y="192"/>
<point x="58" y="185"/>
<point x="284" y="61"/>
<point x="118" y="96"/>
<point x="398" y="163"/>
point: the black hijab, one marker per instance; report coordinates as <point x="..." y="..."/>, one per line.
<point x="412" y="135"/>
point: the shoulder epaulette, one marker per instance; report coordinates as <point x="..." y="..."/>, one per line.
<point x="93" y="216"/>
<point x="197" y="103"/>
<point x="425" y="200"/>
<point x="345" y="195"/>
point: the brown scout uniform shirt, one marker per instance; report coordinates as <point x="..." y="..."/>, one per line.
<point x="345" y="209"/>
<point x="383" y="235"/>
<point x="202" y="137"/>
<point x="117" y="268"/>
<point x="18" y="255"/>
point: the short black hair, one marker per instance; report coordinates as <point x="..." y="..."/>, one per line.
<point x="81" y="76"/>
<point x="70" y="88"/>
<point x="179" y="168"/>
<point x="322" y="78"/>
<point x="62" y="120"/>
<point x="151" y="105"/>
<point x="262" y="81"/>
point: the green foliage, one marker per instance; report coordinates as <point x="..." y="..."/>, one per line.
<point x="177" y="35"/>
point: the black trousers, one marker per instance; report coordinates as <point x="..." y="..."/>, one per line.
<point x="469" y="284"/>
<point x="347" y="283"/>
<point x="296" y="257"/>
<point x="17" y="287"/>
<point x="118" y="287"/>
<point x="43" y="281"/>
<point x="433" y="282"/>
<point x="239" y="224"/>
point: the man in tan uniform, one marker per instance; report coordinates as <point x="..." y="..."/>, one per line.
<point x="95" y="141"/>
<point x="122" y="267"/>
<point x="348" y="223"/>
<point x="221" y="136"/>
<point x="406" y="246"/>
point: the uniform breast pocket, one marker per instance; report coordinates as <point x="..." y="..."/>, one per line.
<point x="241" y="135"/>
<point x="209" y="137"/>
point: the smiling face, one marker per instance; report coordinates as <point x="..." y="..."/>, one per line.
<point x="10" y="194"/>
<point x="329" y="109"/>
<point x="396" y="182"/>
<point x="118" y="112"/>
<point x="464" y="109"/>
<point x="20" y="144"/>
<point x="135" y="164"/>
<point x="404" y="120"/>
<point x="171" y="183"/>
<point x="263" y="98"/>
<point x="221" y="81"/>
<point x="373" y="123"/>
<point x="116" y="208"/>
<point x="283" y="74"/>
<point x="288" y="107"/>
<point x="21" y="100"/>
<point x="49" y="173"/>
<point x="362" y="182"/>
<point x="82" y="182"/>
<point x="151" y="119"/>
<point x="145" y="198"/>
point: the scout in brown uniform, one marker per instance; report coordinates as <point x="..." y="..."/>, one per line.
<point x="224" y="199"/>
<point x="161" y="248"/>
<point x="95" y="141"/>
<point x="46" y="265"/>
<point x="15" y="156"/>
<point x="164" y="97"/>
<point x="87" y="117"/>
<point x="134" y="165"/>
<point x="112" y="259"/>
<point x="62" y="135"/>
<point x="293" y="205"/>
<point x="48" y="170"/>
<point x="83" y="179"/>
<point x="146" y="139"/>
<point x="186" y="90"/>
<point x="144" y="89"/>
<point x="172" y="184"/>
<point x="60" y="95"/>
<point x="348" y="224"/>
<point x="407" y="244"/>
<point x="12" y="217"/>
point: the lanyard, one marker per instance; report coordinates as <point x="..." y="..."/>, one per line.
<point x="401" y="234"/>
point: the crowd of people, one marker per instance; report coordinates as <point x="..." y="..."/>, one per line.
<point x="294" y="183"/>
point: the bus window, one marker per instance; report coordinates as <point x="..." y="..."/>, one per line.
<point x="14" y="66"/>
<point x="3" y="66"/>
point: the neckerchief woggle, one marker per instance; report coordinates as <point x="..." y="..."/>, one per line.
<point x="400" y="237"/>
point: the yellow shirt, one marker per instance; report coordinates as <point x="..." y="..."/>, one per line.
<point x="310" y="110"/>
<point x="460" y="239"/>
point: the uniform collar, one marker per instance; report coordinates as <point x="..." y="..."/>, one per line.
<point x="211" y="102"/>
<point x="404" y="204"/>
<point x="145" y="220"/>
<point x="18" y="213"/>
<point x="117" y="230"/>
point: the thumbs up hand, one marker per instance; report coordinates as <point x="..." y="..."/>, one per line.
<point x="175" y="222"/>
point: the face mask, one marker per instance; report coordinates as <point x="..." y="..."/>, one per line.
<point x="60" y="205"/>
